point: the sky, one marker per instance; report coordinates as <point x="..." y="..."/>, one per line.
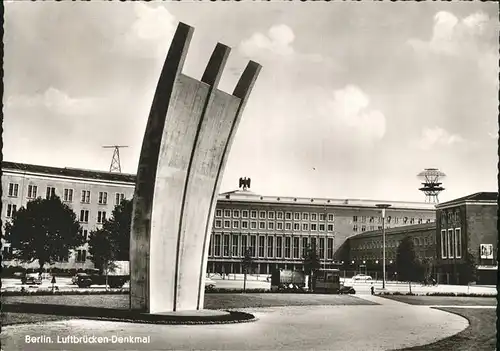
<point x="354" y="98"/>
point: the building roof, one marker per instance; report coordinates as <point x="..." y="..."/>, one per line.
<point x="481" y="197"/>
<point x="69" y="172"/>
<point x="249" y="196"/>
<point x="396" y="230"/>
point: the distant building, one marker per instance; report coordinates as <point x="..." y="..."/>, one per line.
<point x="91" y="194"/>
<point x="468" y="224"/>
<point x="275" y="229"/>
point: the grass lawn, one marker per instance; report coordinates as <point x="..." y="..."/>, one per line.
<point x="480" y="335"/>
<point x="212" y="301"/>
<point x="444" y="300"/>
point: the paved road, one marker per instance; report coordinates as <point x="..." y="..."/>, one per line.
<point x="347" y="328"/>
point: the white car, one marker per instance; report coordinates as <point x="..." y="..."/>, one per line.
<point x="361" y="277"/>
<point x="210" y="284"/>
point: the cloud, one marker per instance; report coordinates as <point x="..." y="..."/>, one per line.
<point x="278" y="41"/>
<point x="436" y="137"/>
<point x="454" y="36"/>
<point x="348" y="110"/>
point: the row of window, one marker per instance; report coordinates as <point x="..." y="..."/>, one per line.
<point x="234" y="245"/>
<point x="228" y="224"/>
<point x="378" y="244"/>
<point x="297" y="216"/>
<point x="450" y="217"/>
<point x="451" y="243"/>
<point x="388" y="219"/>
<point x="84" y="216"/>
<point x="67" y="195"/>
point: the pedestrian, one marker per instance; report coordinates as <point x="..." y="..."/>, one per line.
<point x="372" y="289"/>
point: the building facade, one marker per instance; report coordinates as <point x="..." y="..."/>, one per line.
<point x="276" y="230"/>
<point x="468" y="225"/>
<point x="92" y="195"/>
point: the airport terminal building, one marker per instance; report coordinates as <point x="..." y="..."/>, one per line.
<point x="276" y="230"/>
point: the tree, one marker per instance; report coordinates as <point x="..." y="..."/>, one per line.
<point x="118" y="227"/>
<point x="467" y="269"/>
<point x="407" y="263"/>
<point x="247" y="264"/>
<point x="311" y="263"/>
<point x="46" y="230"/>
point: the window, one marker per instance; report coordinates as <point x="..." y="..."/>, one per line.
<point x="355" y="228"/>
<point x="314" y="227"/>
<point x="321" y="227"/>
<point x="296" y="226"/>
<point x="321" y="248"/>
<point x="329" y="249"/>
<point x="287" y="247"/>
<point x="253" y="244"/>
<point x="68" y="195"/>
<point x="236" y="224"/>
<point x="13" y="189"/>
<point x="458" y="243"/>
<point x="217" y="245"/>
<point x="412" y="220"/>
<point x="253" y="214"/>
<point x="363" y="219"/>
<point x="227" y="213"/>
<point x="84" y="233"/>
<point x="51" y="191"/>
<point x="314" y="216"/>
<point x="296" y="242"/>
<point x="313" y="242"/>
<point x="270" y="225"/>
<point x="279" y="243"/>
<point x="450" y="243"/>
<point x="279" y="225"/>
<point x="225" y="248"/>
<point x="288" y="226"/>
<point x="420" y="221"/>
<point x="443" y="243"/>
<point x="101" y="216"/>
<point x="218" y="213"/>
<point x="305" y="244"/>
<point x="262" y="241"/>
<point x="84" y="216"/>
<point x="244" y="224"/>
<point x="305" y="216"/>
<point x="253" y="225"/>
<point x="270" y="248"/>
<point x="85" y="197"/>
<point x="262" y="225"/>
<point x="210" y="247"/>
<point x="305" y="227"/>
<point x="296" y="216"/>
<point x="379" y="227"/>
<point x="371" y="219"/>
<point x="218" y="223"/>
<point x="363" y="228"/>
<point x="227" y="224"/>
<point x="244" y="244"/>
<point x="235" y="249"/>
<point x="322" y="216"/>
<point x="330" y="217"/>
<point x="279" y="215"/>
<point x="270" y="215"/>
<point x="11" y="210"/>
<point x="372" y="227"/>
<point x="330" y="227"/>
<point x="236" y="213"/>
<point x="119" y="197"/>
<point x="32" y="190"/>
<point x="244" y="214"/>
<point x="262" y="214"/>
<point x="396" y="220"/>
<point x="81" y="255"/>
<point x="288" y="215"/>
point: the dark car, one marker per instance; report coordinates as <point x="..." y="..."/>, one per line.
<point x="346" y="290"/>
<point x="31" y="278"/>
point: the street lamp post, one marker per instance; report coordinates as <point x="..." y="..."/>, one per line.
<point x="383" y="207"/>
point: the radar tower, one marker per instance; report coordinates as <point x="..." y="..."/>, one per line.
<point x="431" y="181"/>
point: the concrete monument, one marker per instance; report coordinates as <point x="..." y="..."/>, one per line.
<point x="187" y="140"/>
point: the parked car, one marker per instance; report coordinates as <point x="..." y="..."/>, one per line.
<point x="210" y="284"/>
<point x="31" y="278"/>
<point x="361" y="277"/>
<point x="74" y="279"/>
<point x="346" y="289"/>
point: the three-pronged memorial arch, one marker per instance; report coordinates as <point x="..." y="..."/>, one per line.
<point x="189" y="133"/>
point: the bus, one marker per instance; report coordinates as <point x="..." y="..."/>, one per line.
<point x="327" y="281"/>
